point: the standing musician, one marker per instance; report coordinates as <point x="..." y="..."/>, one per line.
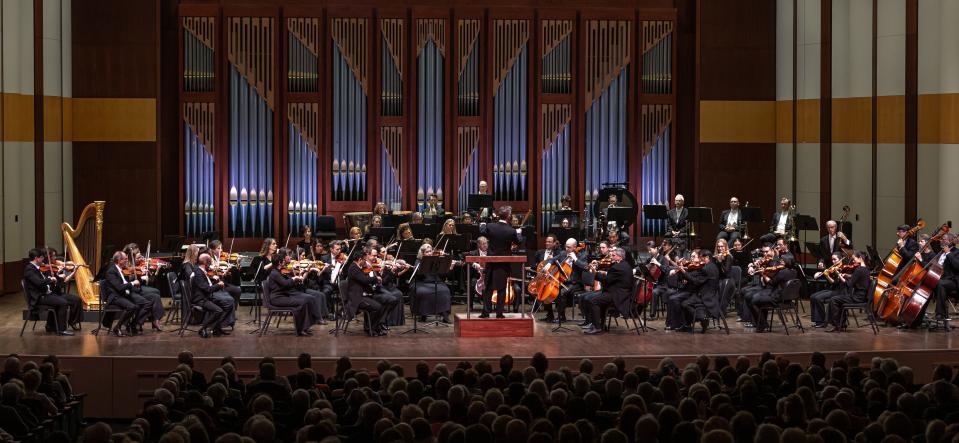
<point x="123" y="295"/>
<point x="74" y="303"/>
<point x="285" y="292"/>
<point x="432" y="207"/>
<point x="40" y="291"/>
<point x="774" y="279"/>
<point x="723" y="258"/>
<point x="731" y="223"/>
<point x="820" y="299"/>
<point x="949" y="282"/>
<point x="203" y="294"/>
<point x="676" y="225"/>
<point x="148" y="292"/>
<point x="702" y="280"/>
<point x="834" y="240"/>
<point x="360" y="288"/>
<point x="484" y="213"/>
<point x="781" y="223"/>
<point x="544" y="259"/>
<point x="617" y="290"/>
<point x="852" y="290"/>
<point x="501" y="237"/>
<point x="432" y="296"/>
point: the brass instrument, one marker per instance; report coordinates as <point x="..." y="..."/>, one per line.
<point x="792" y="224"/>
<point x="745" y="225"/>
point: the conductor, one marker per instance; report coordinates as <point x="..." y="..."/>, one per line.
<point x="501" y="236"/>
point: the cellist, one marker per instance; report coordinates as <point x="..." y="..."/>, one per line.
<point x="574" y="281"/>
<point x="544" y="260"/>
<point x="949" y="282"/>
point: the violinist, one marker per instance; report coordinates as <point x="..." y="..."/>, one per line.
<point x="284" y="287"/>
<point x="360" y="287"/>
<point x="820" y="299"/>
<point x="617" y="290"/>
<point x="774" y="279"/>
<point x="852" y="290"/>
<point x="723" y="258"/>
<point x="262" y="264"/>
<point x="203" y="294"/>
<point x="311" y="288"/>
<point x="617" y="239"/>
<point x="226" y="296"/>
<point x="689" y="304"/>
<point x="355" y="234"/>
<point x="754" y="271"/>
<point x="66" y="272"/>
<point x="449" y="228"/>
<point x="432" y="295"/>
<point x="949" y="282"/>
<point x="388" y="293"/>
<point x="224" y="270"/>
<point x="39" y="288"/>
<point x="306" y="243"/>
<point x="122" y="295"/>
<point x="142" y="271"/>
<point x="544" y="260"/>
<point x="657" y="257"/>
<point x="404" y="232"/>
<point x="834" y="240"/>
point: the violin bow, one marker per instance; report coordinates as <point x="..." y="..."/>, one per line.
<point x="49" y="262"/>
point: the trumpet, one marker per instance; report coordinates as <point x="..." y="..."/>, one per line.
<point x="745" y="225"/>
<point x="791" y="224"/>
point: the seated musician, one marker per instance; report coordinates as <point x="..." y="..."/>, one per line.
<point x="906" y="245"/>
<point x="820" y="299"/>
<point x="432" y="296"/>
<point x="449" y="228"/>
<point x="617" y="289"/>
<point x="781" y="223"/>
<point x="229" y="293"/>
<point x="355" y="233"/>
<point x="375" y="222"/>
<point x="657" y="257"/>
<point x="466" y="218"/>
<point x="731" y="224"/>
<point x="262" y="264"/>
<point x="74" y="303"/>
<point x="676" y="225"/>
<point x="404" y="232"/>
<point x="122" y="294"/>
<point x="574" y="281"/>
<point x="834" y="241"/>
<point x="286" y="292"/>
<point x="949" y="281"/>
<point x="723" y="258"/>
<point x="39" y="290"/>
<point x="773" y="280"/>
<point x="311" y="287"/>
<point x="618" y="238"/>
<point x="203" y="294"/>
<point x="380" y="209"/>
<point x="543" y="261"/>
<point x="566" y="203"/>
<point x="601" y="257"/>
<point x="305" y="243"/>
<point x="388" y="293"/>
<point x="145" y="290"/>
<point x="482" y="249"/>
<point x="754" y="275"/>
<point x="702" y="278"/>
<point x="432" y="208"/>
<point x="484" y="213"/>
<point x="852" y="290"/>
<point x="360" y="288"/>
<point x="565" y="224"/>
<point x="416" y="218"/>
<point x="706" y="303"/>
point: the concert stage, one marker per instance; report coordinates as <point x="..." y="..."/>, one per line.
<point x="119" y="373"/>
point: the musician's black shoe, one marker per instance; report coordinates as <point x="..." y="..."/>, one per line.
<point x="218" y="332"/>
<point x="500" y="315"/>
<point x="586" y="326"/>
<point x="584" y="323"/>
<point x="685" y="329"/>
<point x="117" y="332"/>
<point x="204" y="333"/>
<point x="593" y="332"/>
<point x="445" y="319"/>
<point x="832" y="328"/>
<point x="704" y="324"/>
<point x="76" y="326"/>
<point x="547" y="319"/>
<point x="819" y="325"/>
<point x="484" y="315"/>
<point x="562" y="320"/>
<point x="66" y="332"/>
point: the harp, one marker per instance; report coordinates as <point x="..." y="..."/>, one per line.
<point x="82" y="245"/>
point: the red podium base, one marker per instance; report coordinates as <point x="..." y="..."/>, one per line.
<point x="514" y="325"/>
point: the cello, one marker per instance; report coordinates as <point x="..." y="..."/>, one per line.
<point x="554" y="277"/>
<point x="905" y="301"/>
<point x="890" y="265"/>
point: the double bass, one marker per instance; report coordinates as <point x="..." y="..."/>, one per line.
<point x="890" y="265"/>
<point x="915" y="287"/>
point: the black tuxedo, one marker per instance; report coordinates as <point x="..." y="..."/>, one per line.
<point x="854" y="291"/>
<point x="40" y="290"/>
<point x="948" y="283"/>
<point x="769" y="296"/>
<point x="772" y="236"/>
<point x="730" y="237"/>
<point x="617" y="289"/>
<point x="836" y="245"/>
<point x="360" y="283"/>
<point x="201" y="295"/>
<point x="501" y="236"/>
<point x="677" y="222"/>
<point x="122" y="295"/>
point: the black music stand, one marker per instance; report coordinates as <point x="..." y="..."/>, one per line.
<point x="422" y="231"/>
<point x="655" y="212"/>
<point x="408" y="250"/>
<point x="572" y="216"/>
<point x="623" y="216"/>
<point x="383" y="234"/>
<point x="750" y="215"/>
<point x="395" y="219"/>
<point x="816" y="251"/>
<point x="806" y="223"/>
<point x="469" y="230"/>
<point x="453" y="243"/>
<point x="563" y="234"/>
<point x="698" y="215"/>
<point x="478" y="202"/>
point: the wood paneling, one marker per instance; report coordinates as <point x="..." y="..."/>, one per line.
<point x="744" y="170"/>
<point x="738" y="45"/>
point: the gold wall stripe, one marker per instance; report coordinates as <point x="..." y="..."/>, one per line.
<point x="852" y="120"/>
<point x="114" y="119"/>
<point x="938" y="114"/>
<point x="57" y="118"/>
<point x="737" y="121"/>
<point x="17" y="117"/>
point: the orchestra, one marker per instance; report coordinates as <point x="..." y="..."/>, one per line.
<point x="321" y="280"/>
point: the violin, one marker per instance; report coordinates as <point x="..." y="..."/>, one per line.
<point x="689" y="265"/>
<point x="154" y="264"/>
<point x="58" y="266"/>
<point x="771" y="270"/>
<point x="230" y="258"/>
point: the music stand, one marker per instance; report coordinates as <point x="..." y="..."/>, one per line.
<point x="408" y="250"/>
<point x="422" y="231"/>
<point x="751" y="215"/>
<point x="563" y="234"/>
<point x="478" y="202"/>
<point x="519" y="259"/>
<point x="395" y="219"/>
<point x="383" y="234"/>
<point x="453" y="243"/>
<point x="623" y="216"/>
<point x="698" y="215"/>
<point x="469" y="230"/>
<point x="806" y="223"/>
<point x="816" y="251"/>
<point x="655" y="212"/>
<point x="572" y="216"/>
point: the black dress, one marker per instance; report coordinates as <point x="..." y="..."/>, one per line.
<point x="432" y="296"/>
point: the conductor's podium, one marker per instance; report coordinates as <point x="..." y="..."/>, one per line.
<point x="471" y="325"/>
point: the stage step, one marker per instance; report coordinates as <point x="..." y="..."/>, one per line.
<point x="514" y="325"/>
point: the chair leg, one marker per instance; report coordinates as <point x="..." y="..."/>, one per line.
<point x="782" y="318"/>
<point x="725" y="325"/>
<point x="185" y="322"/>
<point x="24" y="328"/>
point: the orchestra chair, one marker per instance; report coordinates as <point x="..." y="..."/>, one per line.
<point x="736" y="279"/>
<point x="866" y="306"/>
<point x="634" y="315"/>
<point x="189" y="309"/>
<point x="177" y="295"/>
<point x="325" y="227"/>
<point x="102" y="309"/>
<point x="342" y="323"/>
<point x="271" y="311"/>
<point x="727" y="287"/>
<point x="37" y="312"/>
<point x="788" y="302"/>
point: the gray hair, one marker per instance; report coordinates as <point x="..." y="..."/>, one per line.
<point x="619" y="252"/>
